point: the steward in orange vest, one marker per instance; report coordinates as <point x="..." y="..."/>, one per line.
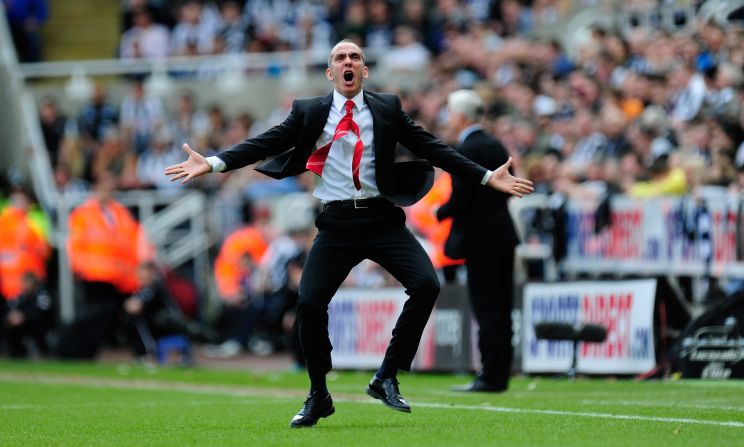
<point x="106" y="244"/>
<point x="422" y="217"/>
<point x="228" y="266"/>
<point x="23" y="247"/>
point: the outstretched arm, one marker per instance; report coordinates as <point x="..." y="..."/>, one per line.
<point x="274" y="141"/>
<point x="426" y="145"/>
<point x="196" y="165"/>
<point x="502" y="180"/>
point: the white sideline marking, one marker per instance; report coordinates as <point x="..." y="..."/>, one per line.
<point x="286" y="394"/>
<point x="586" y="414"/>
<point x="642" y="403"/>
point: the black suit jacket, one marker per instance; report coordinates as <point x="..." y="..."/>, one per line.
<point x="481" y="221"/>
<point x="288" y="145"/>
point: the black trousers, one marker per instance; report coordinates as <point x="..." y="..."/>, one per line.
<point x="491" y="291"/>
<point x="347" y="236"/>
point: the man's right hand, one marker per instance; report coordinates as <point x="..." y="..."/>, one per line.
<point x="196" y="165"/>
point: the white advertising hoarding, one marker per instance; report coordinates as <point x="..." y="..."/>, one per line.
<point x="625" y="308"/>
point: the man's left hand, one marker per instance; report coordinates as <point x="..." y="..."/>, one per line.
<point x="502" y="180"/>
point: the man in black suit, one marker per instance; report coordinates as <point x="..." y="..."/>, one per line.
<point x="362" y="190"/>
<point x="485" y="237"/>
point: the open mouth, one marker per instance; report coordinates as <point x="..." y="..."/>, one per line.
<point x="348" y="76"/>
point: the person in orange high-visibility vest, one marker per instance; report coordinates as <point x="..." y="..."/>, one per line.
<point x="105" y="246"/>
<point x="23" y="247"/>
<point x="422" y="216"/>
<point x="227" y="266"/>
<point x="234" y="270"/>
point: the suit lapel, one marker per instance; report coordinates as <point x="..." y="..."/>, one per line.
<point x="317" y="116"/>
<point x="377" y="109"/>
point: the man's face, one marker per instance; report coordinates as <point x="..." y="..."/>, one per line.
<point x="347" y="70"/>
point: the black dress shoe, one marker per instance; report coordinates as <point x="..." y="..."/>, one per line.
<point x="387" y="391"/>
<point x="480" y="385"/>
<point x="314" y="408"/>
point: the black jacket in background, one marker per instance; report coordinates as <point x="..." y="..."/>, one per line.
<point x="481" y="220"/>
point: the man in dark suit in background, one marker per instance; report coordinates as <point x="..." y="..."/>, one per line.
<point x="348" y="138"/>
<point x="483" y="234"/>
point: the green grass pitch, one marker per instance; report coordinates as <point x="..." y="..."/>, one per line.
<point x="80" y="404"/>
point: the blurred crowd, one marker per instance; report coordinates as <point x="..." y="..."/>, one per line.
<point x="636" y="110"/>
<point x="194" y="27"/>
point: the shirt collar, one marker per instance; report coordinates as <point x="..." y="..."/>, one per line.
<point x="467" y="131"/>
<point x="339" y="101"/>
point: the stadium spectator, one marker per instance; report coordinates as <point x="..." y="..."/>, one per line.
<point x="146" y="39"/>
<point x="261" y="298"/>
<point x="159" y="11"/>
<point x="240" y="312"/>
<point x="151" y="163"/>
<point x="664" y="180"/>
<point x="53" y="128"/>
<point x="96" y="116"/>
<point x="408" y="55"/>
<point x="414" y="15"/>
<point x="590" y="143"/>
<point x="150" y="313"/>
<point x="272" y="20"/>
<point x="66" y="182"/>
<point x="26" y="18"/>
<point x="312" y="32"/>
<point x="216" y="128"/>
<point x="354" y="26"/>
<point x="105" y="246"/>
<point x="24" y="247"/>
<point x="614" y="125"/>
<point x="187" y="122"/>
<point x="379" y="32"/>
<point x="692" y="92"/>
<point x="111" y="158"/>
<point x="516" y="19"/>
<point x="141" y="114"/>
<point x="194" y="29"/>
<point x="234" y="270"/>
<point x="26" y="319"/>
<point x="229" y="272"/>
<point x="235" y="31"/>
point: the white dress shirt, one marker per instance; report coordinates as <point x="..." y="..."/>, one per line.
<point x="336" y="182"/>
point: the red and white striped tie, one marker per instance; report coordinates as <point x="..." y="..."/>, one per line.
<point x="318" y="158"/>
